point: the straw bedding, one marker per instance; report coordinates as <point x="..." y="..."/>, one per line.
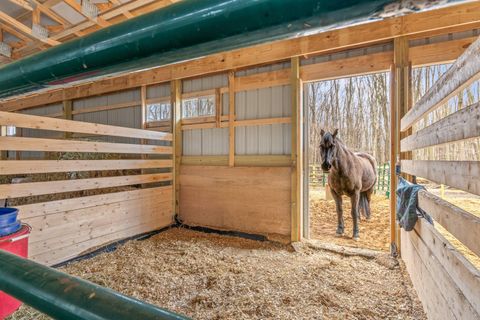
<point x="207" y="276"/>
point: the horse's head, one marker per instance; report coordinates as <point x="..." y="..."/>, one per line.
<point x="328" y="149"/>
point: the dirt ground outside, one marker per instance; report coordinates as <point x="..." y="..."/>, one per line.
<point x="374" y="233"/>
<point x="208" y="276"/>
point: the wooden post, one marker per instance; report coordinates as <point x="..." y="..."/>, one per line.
<point x="399" y="105"/>
<point x="67" y="114"/>
<point x="296" y="153"/>
<point x="231" y="118"/>
<point x="218" y="107"/>
<point x="176" y="105"/>
<point x="3" y="133"/>
<point x="143" y="97"/>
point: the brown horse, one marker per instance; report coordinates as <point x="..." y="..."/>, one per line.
<point x="351" y="174"/>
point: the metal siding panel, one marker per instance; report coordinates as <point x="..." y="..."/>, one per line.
<point x="277" y="139"/>
<point x="251" y="104"/>
<point x="265" y="139"/>
<point x="225" y="104"/>
<point x="264" y="103"/>
<point x="192" y="142"/>
<point x="287" y="101"/>
<point x="207" y="142"/>
<point x="158" y="91"/>
<point x="251" y="140"/>
<point x="240" y="140"/>
<point x="287" y="136"/>
<point x="277" y="101"/>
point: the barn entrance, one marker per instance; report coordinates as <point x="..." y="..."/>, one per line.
<point x="359" y="108"/>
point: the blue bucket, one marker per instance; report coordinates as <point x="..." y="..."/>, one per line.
<point x="8" y="221"/>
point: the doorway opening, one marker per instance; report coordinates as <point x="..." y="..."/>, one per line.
<point x="359" y="108"/>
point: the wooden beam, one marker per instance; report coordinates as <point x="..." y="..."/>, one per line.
<point x="46" y="123"/>
<point x="52" y="145"/>
<point x="36" y="16"/>
<point x="439" y="53"/>
<point x="121" y="105"/>
<point x="367" y="64"/>
<point x="368" y="33"/>
<point x="30" y="189"/>
<point x="461" y="175"/>
<point x="399" y="105"/>
<point x="240" y="160"/>
<point x="126" y="13"/>
<point x="51" y="14"/>
<point x="67" y="115"/>
<point x="463" y="225"/>
<point x="176" y="105"/>
<point x="463" y="124"/>
<point x="263" y="80"/>
<point x="231" y="118"/>
<point x="78" y="7"/>
<point x="24" y="29"/>
<point x="296" y="151"/>
<point x="23" y="3"/>
<point x="462" y="73"/>
<point x="49" y="166"/>
<point x="218" y="107"/>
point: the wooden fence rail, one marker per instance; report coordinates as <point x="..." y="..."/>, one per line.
<point x="64" y="228"/>
<point x="317" y="177"/>
<point x="447" y="282"/>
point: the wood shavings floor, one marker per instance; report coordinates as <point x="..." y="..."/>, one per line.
<point x="208" y="276"/>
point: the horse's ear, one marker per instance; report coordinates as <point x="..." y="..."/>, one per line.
<point x="322" y="132"/>
<point x="335" y="133"/>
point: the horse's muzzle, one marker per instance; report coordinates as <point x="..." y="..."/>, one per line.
<point x="326" y="167"/>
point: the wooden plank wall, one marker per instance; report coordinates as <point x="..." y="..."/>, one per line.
<point x="248" y="199"/>
<point x="447" y="283"/>
<point x="64" y="229"/>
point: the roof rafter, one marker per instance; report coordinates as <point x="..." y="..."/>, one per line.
<point x="114" y="12"/>
<point x="127" y="13"/>
<point x="24" y="29"/>
<point x="78" y="7"/>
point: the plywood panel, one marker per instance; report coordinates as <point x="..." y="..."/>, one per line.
<point x="63" y="229"/>
<point x="253" y="200"/>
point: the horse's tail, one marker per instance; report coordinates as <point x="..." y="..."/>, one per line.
<point x="363" y="205"/>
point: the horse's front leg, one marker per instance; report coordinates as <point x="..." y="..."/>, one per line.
<point x="355" y="198"/>
<point x="339" y="207"/>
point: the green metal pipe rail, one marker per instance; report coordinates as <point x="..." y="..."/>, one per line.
<point x="62" y="296"/>
<point x="185" y="30"/>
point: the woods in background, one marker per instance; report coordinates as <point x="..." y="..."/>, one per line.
<point x="359" y="107"/>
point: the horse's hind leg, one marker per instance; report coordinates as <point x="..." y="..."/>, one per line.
<point x="339" y="206"/>
<point x="355" y="199"/>
<point x="368" y="195"/>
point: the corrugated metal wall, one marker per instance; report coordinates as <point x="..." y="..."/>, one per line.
<point x="158" y="91"/>
<point x="44" y="111"/>
<point x="252" y="104"/>
<point x="126" y="117"/>
<point x="206" y="142"/>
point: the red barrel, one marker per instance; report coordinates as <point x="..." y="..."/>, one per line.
<point x="16" y="243"/>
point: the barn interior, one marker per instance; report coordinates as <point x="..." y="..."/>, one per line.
<point x="151" y="152"/>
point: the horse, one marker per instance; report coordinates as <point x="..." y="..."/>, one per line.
<point x="349" y="173"/>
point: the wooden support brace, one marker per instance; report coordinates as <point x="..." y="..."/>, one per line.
<point x="296" y="153"/>
<point x="176" y="105"/>
<point x="231" y="118"/>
